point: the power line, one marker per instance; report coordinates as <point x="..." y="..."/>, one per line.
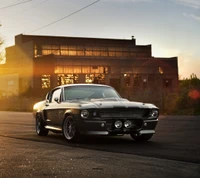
<point x="65" y="16"/>
<point x="16" y="4"/>
<point x="36" y="5"/>
<point x="22" y="11"/>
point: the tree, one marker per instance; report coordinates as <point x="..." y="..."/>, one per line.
<point x="1" y="42"/>
<point x="188" y="99"/>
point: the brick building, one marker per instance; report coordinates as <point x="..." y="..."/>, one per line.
<point x="37" y="63"/>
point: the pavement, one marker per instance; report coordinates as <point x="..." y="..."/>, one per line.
<point x="172" y="152"/>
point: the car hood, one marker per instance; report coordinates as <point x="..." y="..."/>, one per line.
<point x="114" y="103"/>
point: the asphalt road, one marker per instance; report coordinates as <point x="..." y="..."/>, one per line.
<point x="174" y="151"/>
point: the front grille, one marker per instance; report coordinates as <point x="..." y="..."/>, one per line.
<point x="123" y="113"/>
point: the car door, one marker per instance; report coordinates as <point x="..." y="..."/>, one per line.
<point x="52" y="108"/>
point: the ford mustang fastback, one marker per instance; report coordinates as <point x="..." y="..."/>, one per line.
<point x="93" y="109"/>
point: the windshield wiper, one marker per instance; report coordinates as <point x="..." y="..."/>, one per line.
<point x="78" y="98"/>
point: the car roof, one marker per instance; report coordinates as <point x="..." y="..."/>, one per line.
<point x="82" y="84"/>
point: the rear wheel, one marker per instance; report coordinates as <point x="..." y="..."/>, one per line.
<point x="40" y="129"/>
<point x="69" y="129"/>
<point x="141" y="138"/>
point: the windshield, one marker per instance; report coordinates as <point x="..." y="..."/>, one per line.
<point x="89" y="92"/>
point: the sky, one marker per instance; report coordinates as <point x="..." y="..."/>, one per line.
<point x="172" y="27"/>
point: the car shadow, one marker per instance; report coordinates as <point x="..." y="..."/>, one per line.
<point x="155" y="148"/>
<point x="123" y="144"/>
<point x="114" y="144"/>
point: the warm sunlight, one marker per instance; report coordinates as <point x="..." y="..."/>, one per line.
<point x="158" y="51"/>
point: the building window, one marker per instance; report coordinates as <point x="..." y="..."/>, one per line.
<point x="118" y="53"/>
<point x="144" y="84"/>
<point x="58" y="69"/>
<point x="89" y="78"/>
<point x="127" y="80"/>
<point x="85" y="70"/>
<point x="160" y="69"/>
<point x="68" y="70"/>
<point x="104" y="51"/>
<point x="136" y="80"/>
<point x="80" y="50"/>
<point x="126" y="54"/>
<point x="46" y="81"/>
<point x="111" y="52"/>
<point x="55" y="49"/>
<point x="96" y="51"/>
<point x="95" y="78"/>
<point x="105" y="70"/>
<point x="50" y="49"/>
<point x="63" y="79"/>
<point x="37" y="50"/>
<point x="88" y="51"/>
<point x="167" y="83"/>
<point x="76" y="69"/>
<point x="72" y="50"/>
<point x="79" y="69"/>
<point x="98" y="69"/>
<point x="80" y="53"/>
<point x="64" y="50"/>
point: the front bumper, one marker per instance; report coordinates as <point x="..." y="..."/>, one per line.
<point x="106" y="127"/>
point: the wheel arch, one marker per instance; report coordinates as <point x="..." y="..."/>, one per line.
<point x="72" y="113"/>
<point x="67" y="113"/>
<point x="72" y="117"/>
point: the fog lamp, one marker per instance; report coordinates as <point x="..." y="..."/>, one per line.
<point x="127" y="124"/>
<point x="84" y="114"/>
<point x="102" y="124"/>
<point x="118" y="124"/>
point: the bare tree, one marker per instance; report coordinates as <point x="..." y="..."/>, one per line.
<point x="1" y="42"/>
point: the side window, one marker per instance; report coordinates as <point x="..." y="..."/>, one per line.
<point x="55" y="94"/>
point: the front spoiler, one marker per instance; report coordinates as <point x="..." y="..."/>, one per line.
<point x="141" y="132"/>
<point x="92" y="127"/>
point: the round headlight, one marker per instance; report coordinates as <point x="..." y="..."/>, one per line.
<point x="118" y="124"/>
<point x="84" y="114"/>
<point x="127" y="124"/>
<point x="154" y="113"/>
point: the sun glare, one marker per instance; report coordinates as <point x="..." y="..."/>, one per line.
<point x="194" y="94"/>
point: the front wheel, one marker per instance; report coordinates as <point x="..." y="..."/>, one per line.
<point x="40" y="129"/>
<point x="69" y="129"/>
<point x="141" y="138"/>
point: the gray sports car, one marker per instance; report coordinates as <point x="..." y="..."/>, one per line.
<point x="93" y="109"/>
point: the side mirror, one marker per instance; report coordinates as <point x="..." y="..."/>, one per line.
<point x="47" y="103"/>
<point x="56" y="99"/>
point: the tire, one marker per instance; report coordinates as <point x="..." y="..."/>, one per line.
<point x="40" y="129"/>
<point x="141" y="138"/>
<point x="69" y="129"/>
